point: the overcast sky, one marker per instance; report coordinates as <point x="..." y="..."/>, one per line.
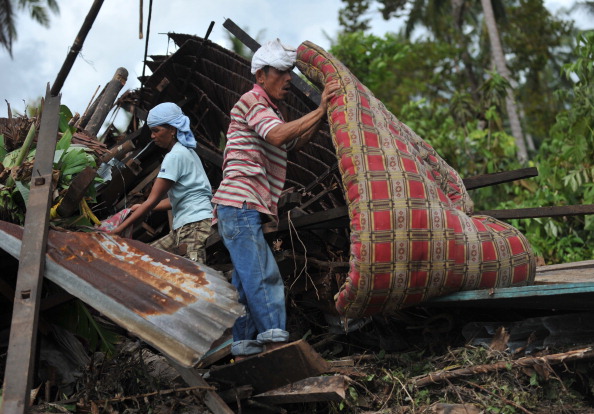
<point x="113" y="41"/>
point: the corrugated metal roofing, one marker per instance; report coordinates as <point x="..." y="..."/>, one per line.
<point x="178" y="306"/>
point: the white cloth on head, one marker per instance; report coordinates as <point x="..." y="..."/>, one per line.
<point x="275" y="54"/>
<point x="168" y="113"/>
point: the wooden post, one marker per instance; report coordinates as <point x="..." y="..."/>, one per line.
<point x="76" y="47"/>
<point x="25" y="314"/>
<point x="107" y="99"/>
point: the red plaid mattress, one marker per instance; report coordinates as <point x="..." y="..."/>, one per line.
<point x="412" y="233"/>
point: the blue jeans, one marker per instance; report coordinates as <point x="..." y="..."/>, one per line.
<point x="257" y="280"/>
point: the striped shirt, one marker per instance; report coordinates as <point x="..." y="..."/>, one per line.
<point x="254" y="171"/>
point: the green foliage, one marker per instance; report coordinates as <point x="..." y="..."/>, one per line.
<point x="2" y="147"/>
<point x="76" y="317"/>
<point x="397" y="70"/>
<point x="398" y="384"/>
<point x="12" y="206"/>
<point x="69" y="160"/>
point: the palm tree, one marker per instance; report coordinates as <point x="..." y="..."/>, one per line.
<point x="501" y="66"/>
<point x="431" y="13"/>
<point x="37" y="11"/>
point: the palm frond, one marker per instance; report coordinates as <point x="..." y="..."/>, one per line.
<point x="39" y="14"/>
<point x="7" y="25"/>
<point x="53" y="6"/>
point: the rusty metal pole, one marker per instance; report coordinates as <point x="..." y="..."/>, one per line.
<point x="25" y="314"/>
<point x="76" y="47"/>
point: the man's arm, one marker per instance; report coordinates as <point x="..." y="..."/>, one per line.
<point x="305" y="127"/>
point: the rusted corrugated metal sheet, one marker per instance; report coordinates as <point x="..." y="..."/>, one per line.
<point x="178" y="306"/>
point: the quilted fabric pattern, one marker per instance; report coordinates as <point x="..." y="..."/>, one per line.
<point x="413" y="236"/>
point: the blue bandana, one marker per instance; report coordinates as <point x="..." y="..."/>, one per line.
<point x="168" y="113"/>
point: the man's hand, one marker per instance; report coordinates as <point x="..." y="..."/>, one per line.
<point x="329" y="92"/>
<point x="306" y="126"/>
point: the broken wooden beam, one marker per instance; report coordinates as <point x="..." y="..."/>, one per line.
<point x="544" y="361"/>
<point x="534" y="212"/>
<point x="75" y="193"/>
<point x="234" y="395"/>
<point x="107" y="99"/>
<point x="211" y="399"/>
<point x="486" y="180"/>
<point x="315" y="389"/>
<point x="120" y="150"/>
<point x="327" y="219"/>
<point x="273" y="369"/>
<point x="18" y="375"/>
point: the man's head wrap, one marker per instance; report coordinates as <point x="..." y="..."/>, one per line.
<point x="275" y="54"/>
<point x="168" y="113"/>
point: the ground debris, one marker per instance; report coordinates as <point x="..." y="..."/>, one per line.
<point x="137" y="379"/>
<point x="544" y="362"/>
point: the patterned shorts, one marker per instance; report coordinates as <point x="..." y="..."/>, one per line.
<point x="187" y="241"/>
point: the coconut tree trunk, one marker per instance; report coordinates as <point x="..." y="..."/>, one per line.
<point x="458" y="17"/>
<point x="501" y="66"/>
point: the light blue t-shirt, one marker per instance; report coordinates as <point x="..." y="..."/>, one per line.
<point x="191" y="192"/>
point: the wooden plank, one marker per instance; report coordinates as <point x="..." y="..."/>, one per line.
<point x="18" y="376"/>
<point x="584" y="264"/>
<point x="211" y="399"/>
<point x="551" y="211"/>
<point x="217" y="353"/>
<point x="233" y="395"/>
<point x="486" y="180"/>
<point x="569" y="296"/>
<point x="272" y="369"/>
<point x="576" y="272"/>
<point x="308" y="390"/>
<point x="331" y="218"/>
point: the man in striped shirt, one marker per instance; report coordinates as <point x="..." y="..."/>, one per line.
<point x="254" y="171"/>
